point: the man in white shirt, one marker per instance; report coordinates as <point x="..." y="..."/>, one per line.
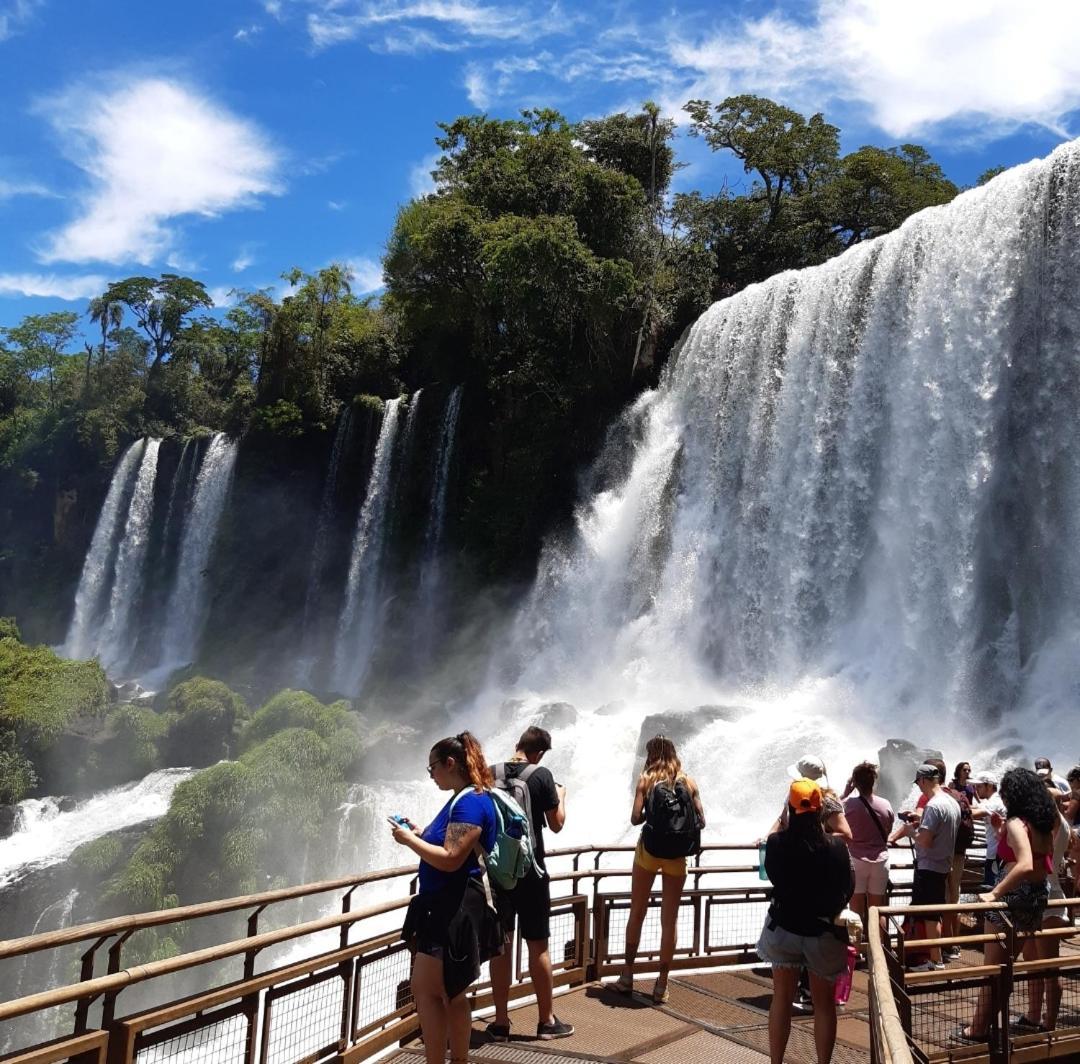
<point x="990" y="808"/>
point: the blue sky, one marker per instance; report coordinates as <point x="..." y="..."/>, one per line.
<point x="234" y="139"/>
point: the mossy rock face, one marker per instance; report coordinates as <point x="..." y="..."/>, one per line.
<point x="203" y="718"/>
<point x="296" y="709"/>
<point x="44" y="700"/>
<point x="96" y="860"/>
<point x="237" y="826"/>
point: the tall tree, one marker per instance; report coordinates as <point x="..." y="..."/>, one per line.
<point x="41" y="340"/>
<point x="160" y="307"/>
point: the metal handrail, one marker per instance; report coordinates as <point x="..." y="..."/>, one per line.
<point x="108" y="986"/>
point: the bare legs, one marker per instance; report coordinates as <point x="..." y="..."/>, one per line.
<point x="785" y="981"/>
<point x="440" y="1019"/>
<point x="640" y="887"/>
<point x="539" y="973"/>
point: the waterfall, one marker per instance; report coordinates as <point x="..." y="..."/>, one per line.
<point x="431" y="562"/>
<point x="323" y="526"/>
<point x="115" y="640"/>
<point x="167" y="533"/>
<point x="849" y="511"/>
<point x="187" y="601"/>
<point x="97" y="568"/>
<point x="46" y="836"/>
<point x="361" y="613"/>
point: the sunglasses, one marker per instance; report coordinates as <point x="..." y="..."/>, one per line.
<point x="432" y="764"/>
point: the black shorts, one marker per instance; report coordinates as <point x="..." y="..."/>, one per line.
<point x="928" y="888"/>
<point x="530" y="902"/>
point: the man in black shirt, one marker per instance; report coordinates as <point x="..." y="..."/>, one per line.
<point x="530" y="900"/>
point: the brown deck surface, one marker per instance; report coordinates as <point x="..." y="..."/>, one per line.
<point x="717" y="1017"/>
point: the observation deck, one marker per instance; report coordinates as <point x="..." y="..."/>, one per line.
<point x="317" y="974"/>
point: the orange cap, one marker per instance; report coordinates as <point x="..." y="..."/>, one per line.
<point x="804" y="797"/>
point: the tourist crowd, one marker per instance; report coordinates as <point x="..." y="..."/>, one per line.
<point x="482" y="872"/>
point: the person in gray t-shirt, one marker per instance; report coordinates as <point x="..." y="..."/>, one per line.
<point x="934" y="833"/>
<point x="936" y="837"/>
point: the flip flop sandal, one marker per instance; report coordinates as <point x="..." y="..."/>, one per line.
<point x="623" y="985"/>
<point x="659" y="994"/>
<point x="1022" y="1023"/>
<point x="961" y="1035"/>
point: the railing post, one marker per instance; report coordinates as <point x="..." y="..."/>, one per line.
<point x="108" y="1006"/>
<point x="251" y="1001"/>
<point x="86" y="972"/>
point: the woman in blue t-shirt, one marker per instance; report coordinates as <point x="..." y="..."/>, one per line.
<point x="450" y="925"/>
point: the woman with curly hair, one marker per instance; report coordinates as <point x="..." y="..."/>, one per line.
<point x="661" y="783"/>
<point x="451" y="926"/>
<point x="1025" y="853"/>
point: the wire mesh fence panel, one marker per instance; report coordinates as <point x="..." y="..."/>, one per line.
<point x="941" y="1014"/>
<point x="383" y="986"/>
<point x="731" y="924"/>
<point x="208" y="1040"/>
<point x="563" y="941"/>
<point x="686" y="927"/>
<point x="303" y="1018"/>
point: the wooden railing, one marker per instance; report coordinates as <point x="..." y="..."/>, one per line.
<point x="917" y="1015"/>
<point x="345" y="996"/>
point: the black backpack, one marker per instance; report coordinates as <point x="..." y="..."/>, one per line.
<point x="965" y="833"/>
<point x="671" y="824"/>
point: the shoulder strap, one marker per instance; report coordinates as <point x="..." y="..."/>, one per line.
<point x="499" y="770"/>
<point x="478" y="850"/>
<point x="526" y="772"/>
<point x="874" y="817"/>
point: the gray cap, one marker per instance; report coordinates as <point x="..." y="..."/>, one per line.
<point x="926" y="772"/>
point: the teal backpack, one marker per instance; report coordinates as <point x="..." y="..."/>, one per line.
<point x="512" y="856"/>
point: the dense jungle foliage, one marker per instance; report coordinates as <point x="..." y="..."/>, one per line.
<point x="550" y="272"/>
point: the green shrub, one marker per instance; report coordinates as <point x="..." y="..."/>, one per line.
<point x="42" y="696"/>
<point x="279" y="419"/>
<point x="97" y="859"/>
<point x="132" y="747"/>
<point x="203" y="718"/>
<point x="296" y="709"/>
<point x="17" y="775"/>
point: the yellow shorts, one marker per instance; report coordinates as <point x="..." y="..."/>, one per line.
<point x="669" y="866"/>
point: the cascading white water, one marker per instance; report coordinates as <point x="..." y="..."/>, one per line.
<point x="115" y="639"/>
<point x="46" y="836"/>
<point x="430" y="580"/>
<point x="849" y="511"/>
<point x="184" y="613"/>
<point x="97" y="567"/>
<point x="318" y="551"/>
<point x="358" y="624"/>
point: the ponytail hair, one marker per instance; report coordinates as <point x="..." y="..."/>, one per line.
<point x="466" y="751"/>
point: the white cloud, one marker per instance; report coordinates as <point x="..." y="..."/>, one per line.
<point x="245" y="257"/>
<point x="154" y="151"/>
<point x="336" y="205"/>
<point x="421" y="183"/>
<point x="477" y="87"/>
<point x="922" y="68"/>
<point x="222" y="295"/>
<point x="425" y="25"/>
<point x="51" y="285"/>
<point x="15" y="14"/>
<point x="11" y="189"/>
<point x="245" y="33"/>
<point x="367" y="275"/>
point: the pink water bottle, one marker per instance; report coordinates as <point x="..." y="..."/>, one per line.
<point x="842" y="986"/>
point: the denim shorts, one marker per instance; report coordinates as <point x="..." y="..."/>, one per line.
<point x="824" y="955"/>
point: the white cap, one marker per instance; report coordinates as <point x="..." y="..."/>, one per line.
<point x="808" y="767"/>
